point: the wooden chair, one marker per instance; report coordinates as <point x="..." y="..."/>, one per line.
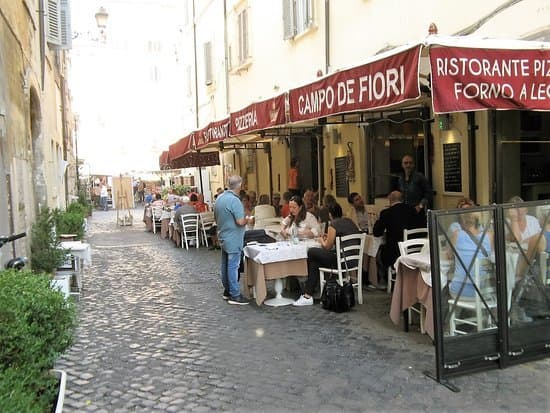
<point x="207" y="221"/>
<point x="156" y="217"/>
<point x="349" y="262"/>
<point x="190" y="230"/>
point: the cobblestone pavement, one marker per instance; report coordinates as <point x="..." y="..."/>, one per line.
<point x="156" y="336"/>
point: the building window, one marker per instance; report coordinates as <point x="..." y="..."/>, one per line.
<point x="208" y="79"/>
<point x="297" y="17"/>
<point x="242" y="27"/>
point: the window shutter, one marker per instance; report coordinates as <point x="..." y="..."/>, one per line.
<point x="66" y="32"/>
<point x="243" y="36"/>
<point x="208" y="63"/>
<point x="288" y="19"/>
<point x="53" y="20"/>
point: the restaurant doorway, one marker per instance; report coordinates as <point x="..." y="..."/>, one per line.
<point x="305" y="148"/>
<point x="388" y="140"/>
<point x="523" y="155"/>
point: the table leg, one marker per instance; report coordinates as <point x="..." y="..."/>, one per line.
<point x="279" y="300"/>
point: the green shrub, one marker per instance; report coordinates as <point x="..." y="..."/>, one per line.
<point x="70" y="221"/>
<point x="36" y="326"/>
<point x="46" y="254"/>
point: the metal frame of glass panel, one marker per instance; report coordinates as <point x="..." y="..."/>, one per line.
<point x="491" y="290"/>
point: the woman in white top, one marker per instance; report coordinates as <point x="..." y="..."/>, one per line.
<point x="305" y="222"/>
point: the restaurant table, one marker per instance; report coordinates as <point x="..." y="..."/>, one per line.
<point x="165" y="223"/>
<point x="274" y="261"/>
<point x="412" y="285"/>
<point x="82" y="254"/>
<point x="148" y="219"/>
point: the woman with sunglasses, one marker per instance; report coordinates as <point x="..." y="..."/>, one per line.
<point x="303" y="223"/>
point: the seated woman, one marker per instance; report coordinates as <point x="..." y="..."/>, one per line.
<point x="304" y="222"/>
<point x="325" y="256"/>
<point x="526" y="230"/>
<point x="466" y="240"/>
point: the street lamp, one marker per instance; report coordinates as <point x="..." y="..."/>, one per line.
<point x="101" y="18"/>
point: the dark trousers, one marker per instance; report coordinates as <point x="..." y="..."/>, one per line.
<point x="317" y="257"/>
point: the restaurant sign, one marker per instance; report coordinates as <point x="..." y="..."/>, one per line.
<point x="214" y="132"/>
<point x="381" y="83"/>
<point x="258" y="116"/>
<point x="466" y="79"/>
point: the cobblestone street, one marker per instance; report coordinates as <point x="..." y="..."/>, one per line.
<point x="154" y="335"/>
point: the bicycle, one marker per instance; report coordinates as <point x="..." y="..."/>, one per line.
<point x="17" y="263"/>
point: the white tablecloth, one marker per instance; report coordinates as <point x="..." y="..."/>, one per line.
<point x="278" y="251"/>
<point x="79" y="249"/>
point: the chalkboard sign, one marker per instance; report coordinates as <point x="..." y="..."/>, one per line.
<point x="342" y="185"/>
<point x="452" y="171"/>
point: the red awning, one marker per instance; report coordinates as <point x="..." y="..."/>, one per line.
<point x="180" y="148"/>
<point x="470" y="78"/>
<point x="258" y="116"/>
<point x="214" y="132"/>
<point x="196" y="160"/>
<point x="164" y="160"/>
<point x="389" y="80"/>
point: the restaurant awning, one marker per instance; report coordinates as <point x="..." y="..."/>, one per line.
<point x="180" y="154"/>
<point x="258" y="116"/>
<point x="214" y="132"/>
<point x="469" y="73"/>
<point x="388" y="79"/>
<point x="164" y="160"/>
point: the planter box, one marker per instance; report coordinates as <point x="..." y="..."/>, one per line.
<point x="62" y="282"/>
<point x="62" y="377"/>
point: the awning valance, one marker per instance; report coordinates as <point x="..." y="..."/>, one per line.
<point x="390" y="79"/>
<point x="257" y="116"/>
<point x="502" y="75"/>
<point x="214" y="132"/>
<point x="196" y="160"/>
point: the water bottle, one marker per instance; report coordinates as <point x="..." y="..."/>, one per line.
<point x="294" y="234"/>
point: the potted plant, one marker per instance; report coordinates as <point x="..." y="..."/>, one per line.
<point x="70" y="221"/>
<point x="46" y="252"/>
<point x="36" y="326"/>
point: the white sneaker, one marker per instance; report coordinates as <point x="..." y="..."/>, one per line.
<point x="302" y="301"/>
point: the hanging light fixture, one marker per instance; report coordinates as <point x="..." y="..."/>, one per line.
<point x="101" y="18"/>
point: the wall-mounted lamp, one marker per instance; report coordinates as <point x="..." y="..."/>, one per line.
<point x="101" y="18"/>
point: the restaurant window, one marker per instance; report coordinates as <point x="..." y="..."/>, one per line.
<point x="208" y="78"/>
<point x="297" y="17"/>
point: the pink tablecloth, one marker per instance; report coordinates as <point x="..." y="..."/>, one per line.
<point x="409" y="289"/>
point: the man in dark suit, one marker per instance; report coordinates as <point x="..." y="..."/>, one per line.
<point x="392" y="222"/>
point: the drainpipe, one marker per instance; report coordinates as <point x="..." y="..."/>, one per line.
<point x="472" y="127"/>
<point x="327" y="36"/>
<point x="226" y="56"/>
<point x="196" y="74"/>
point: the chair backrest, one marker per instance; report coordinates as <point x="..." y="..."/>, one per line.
<point x="544" y="267"/>
<point x="156" y="212"/>
<point x="264" y="211"/>
<point x="190" y="222"/>
<point x="261" y="224"/>
<point x="411" y="246"/>
<point x="349" y="252"/>
<point x="207" y="219"/>
<point x="415" y="233"/>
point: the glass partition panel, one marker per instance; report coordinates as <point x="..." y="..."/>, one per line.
<point x="526" y="242"/>
<point x="464" y="261"/>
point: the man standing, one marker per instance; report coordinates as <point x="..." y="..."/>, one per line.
<point x="231" y="222"/>
<point x="294" y="177"/>
<point x="414" y="186"/>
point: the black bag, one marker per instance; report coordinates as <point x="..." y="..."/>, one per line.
<point x="257" y="235"/>
<point x="337" y="298"/>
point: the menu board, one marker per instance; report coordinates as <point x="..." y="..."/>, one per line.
<point x="342" y="185"/>
<point x="452" y="172"/>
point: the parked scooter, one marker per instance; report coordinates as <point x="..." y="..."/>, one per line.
<point x="17" y="262"/>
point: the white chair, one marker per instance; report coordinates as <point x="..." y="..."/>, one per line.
<point x="190" y="230"/>
<point x="419" y="233"/>
<point x="544" y="268"/>
<point x="207" y="221"/>
<point x="349" y="261"/>
<point x="156" y="217"/>
<point x="262" y="213"/>
<point x="411" y="246"/>
<point x="473" y="307"/>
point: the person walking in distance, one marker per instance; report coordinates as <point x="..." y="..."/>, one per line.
<point x="231" y="222"/>
<point x="294" y="177"/>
